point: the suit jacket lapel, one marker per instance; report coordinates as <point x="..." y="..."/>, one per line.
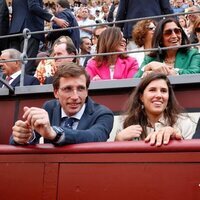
<point x="56" y="117"/>
<point x="16" y="81"/>
<point x="89" y="109"/>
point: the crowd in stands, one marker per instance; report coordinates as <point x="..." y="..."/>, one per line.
<point x="88" y="31"/>
<point x="138" y="34"/>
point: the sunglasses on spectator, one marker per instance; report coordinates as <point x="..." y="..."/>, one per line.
<point x="169" y="32"/>
<point x="197" y="30"/>
<point x="151" y="28"/>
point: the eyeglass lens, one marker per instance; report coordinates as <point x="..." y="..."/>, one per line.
<point x="170" y="31"/>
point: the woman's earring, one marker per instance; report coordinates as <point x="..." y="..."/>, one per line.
<point x="142" y="106"/>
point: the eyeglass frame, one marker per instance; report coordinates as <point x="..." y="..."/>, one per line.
<point x="169" y="32"/>
<point x="70" y="90"/>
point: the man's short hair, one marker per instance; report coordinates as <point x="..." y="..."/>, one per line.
<point x="69" y="69"/>
<point x="70" y="48"/>
<point x="13" y="53"/>
<point x="83" y="38"/>
<point x="63" y="3"/>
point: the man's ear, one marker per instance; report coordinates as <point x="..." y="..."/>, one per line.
<point x="55" y="92"/>
<point x="72" y="54"/>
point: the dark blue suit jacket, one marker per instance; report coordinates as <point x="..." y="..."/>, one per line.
<point x="131" y="9"/>
<point x="95" y="124"/>
<point x="74" y="34"/>
<point x="4" y="23"/>
<point x="197" y="133"/>
<point x="29" y="14"/>
<point x="28" y="80"/>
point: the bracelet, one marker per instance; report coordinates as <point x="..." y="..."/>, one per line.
<point x="176" y="70"/>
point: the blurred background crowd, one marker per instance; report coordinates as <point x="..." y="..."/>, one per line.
<point x="135" y="35"/>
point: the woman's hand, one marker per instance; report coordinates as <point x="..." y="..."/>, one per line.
<point x="158" y="67"/>
<point x="96" y="78"/>
<point x="163" y="136"/>
<point x="129" y="133"/>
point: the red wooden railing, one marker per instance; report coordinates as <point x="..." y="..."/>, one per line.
<point x="110" y="170"/>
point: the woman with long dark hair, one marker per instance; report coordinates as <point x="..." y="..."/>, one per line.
<point x="175" y="60"/>
<point x="153" y="113"/>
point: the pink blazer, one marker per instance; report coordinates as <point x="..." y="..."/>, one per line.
<point x="124" y="68"/>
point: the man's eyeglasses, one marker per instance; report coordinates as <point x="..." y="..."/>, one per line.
<point x="70" y="90"/>
<point x="169" y="32"/>
<point x="197" y="29"/>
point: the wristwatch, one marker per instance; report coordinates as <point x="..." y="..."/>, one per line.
<point x="59" y="133"/>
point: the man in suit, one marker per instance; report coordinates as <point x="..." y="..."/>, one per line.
<point x="92" y="122"/>
<point x="63" y="11"/>
<point x="12" y="70"/>
<point x="30" y="14"/>
<point x="85" y="48"/>
<point x="47" y="68"/>
<point x="4" y="23"/>
<point x="131" y="9"/>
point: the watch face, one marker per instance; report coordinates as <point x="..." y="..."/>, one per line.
<point x="59" y="132"/>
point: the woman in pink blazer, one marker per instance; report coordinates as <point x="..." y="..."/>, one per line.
<point x="118" y="66"/>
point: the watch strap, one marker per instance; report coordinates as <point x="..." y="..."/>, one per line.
<point x="59" y="133"/>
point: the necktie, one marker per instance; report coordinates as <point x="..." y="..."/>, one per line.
<point x="68" y="122"/>
<point x="8" y="78"/>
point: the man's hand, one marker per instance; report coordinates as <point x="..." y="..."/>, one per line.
<point x="38" y="119"/>
<point x="22" y="132"/>
<point x="61" y="22"/>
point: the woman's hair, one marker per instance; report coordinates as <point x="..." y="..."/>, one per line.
<point x="135" y="112"/>
<point x="108" y="42"/>
<point x="157" y="40"/>
<point x="185" y="20"/>
<point x="140" y="30"/>
<point x="196" y="25"/>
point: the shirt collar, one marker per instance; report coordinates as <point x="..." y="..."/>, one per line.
<point x="16" y="74"/>
<point x="78" y="115"/>
<point x="162" y="121"/>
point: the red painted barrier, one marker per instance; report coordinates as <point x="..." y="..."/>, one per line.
<point x="112" y="170"/>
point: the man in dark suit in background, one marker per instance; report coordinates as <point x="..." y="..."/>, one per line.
<point x="86" y="120"/>
<point x="63" y="11"/>
<point x="12" y="70"/>
<point x="30" y="14"/>
<point x="4" y="24"/>
<point x="131" y="9"/>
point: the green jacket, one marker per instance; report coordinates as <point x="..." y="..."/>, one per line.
<point x="188" y="63"/>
